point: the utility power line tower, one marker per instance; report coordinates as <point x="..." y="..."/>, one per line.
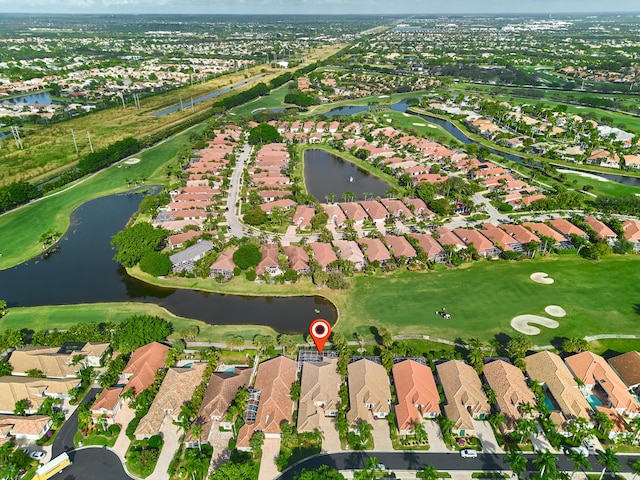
<point x="75" y="143"/>
<point x="90" y="144"/>
<point x="16" y="136"/>
<point x="136" y="100"/>
<point x="122" y="98"/>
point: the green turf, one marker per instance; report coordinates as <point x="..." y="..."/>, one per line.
<point x="613" y="189"/>
<point x="599" y="297"/>
<point x="20" y="229"/>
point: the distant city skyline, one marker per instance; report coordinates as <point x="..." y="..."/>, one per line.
<point x="318" y="6"/>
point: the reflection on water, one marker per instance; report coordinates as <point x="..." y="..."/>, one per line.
<point x="83" y="271"/>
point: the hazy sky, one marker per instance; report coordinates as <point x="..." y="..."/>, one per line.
<point x="319" y="6"/>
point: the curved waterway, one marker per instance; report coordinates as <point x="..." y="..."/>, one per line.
<point x="83" y="271"/>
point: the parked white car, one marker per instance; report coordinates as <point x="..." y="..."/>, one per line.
<point x="37" y="455"/>
<point x="468" y="453"/>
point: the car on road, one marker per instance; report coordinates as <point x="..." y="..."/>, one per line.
<point x="37" y="455"/>
<point x="583" y="451"/>
<point x="590" y="445"/>
<point x="468" y="453"/>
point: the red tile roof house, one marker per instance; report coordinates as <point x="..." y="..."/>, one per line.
<point x="274" y="380"/>
<point x="500" y="238"/>
<point x="374" y="250"/>
<point x="546" y="231"/>
<point x="285" y="203"/>
<point x="417" y="395"/>
<point x="350" y="251"/>
<point x="224" y="264"/>
<point x="420" y="208"/>
<point x="298" y="258"/>
<point x="354" y="212"/>
<point x="269" y="264"/>
<point x="369" y="392"/>
<point x="399" y="247"/>
<point x="520" y="234"/>
<point x="142" y="367"/>
<point x="466" y="400"/>
<point x="482" y="244"/>
<point x="336" y="215"/>
<point x="430" y="247"/>
<point x="19" y="427"/>
<point x="447" y="237"/>
<point x="176" y="241"/>
<point x="302" y="217"/>
<point x="567" y="228"/>
<point x="627" y="366"/>
<point x="593" y="370"/>
<point x="323" y="254"/>
<point x="397" y="208"/>
<point x="107" y="405"/>
<point x="632" y="233"/>
<point x="604" y="232"/>
<point x="375" y="210"/>
<point x="511" y="389"/>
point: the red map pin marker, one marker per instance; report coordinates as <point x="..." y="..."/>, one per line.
<point x="320" y="331"/>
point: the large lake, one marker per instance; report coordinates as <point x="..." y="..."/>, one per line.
<point x="326" y="174"/>
<point x="83" y="271"/>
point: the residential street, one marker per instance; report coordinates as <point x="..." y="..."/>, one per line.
<point x="64" y="439"/>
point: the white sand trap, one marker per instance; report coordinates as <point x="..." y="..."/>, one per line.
<point x="419" y="124"/>
<point x="389" y="120"/>
<point x="541" y="277"/>
<point x="132" y="161"/>
<point x="555" y="311"/>
<point x="431" y="125"/>
<point x="521" y="324"/>
<point x="383" y="96"/>
<point x="585" y="175"/>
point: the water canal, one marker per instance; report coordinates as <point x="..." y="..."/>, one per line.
<point x="83" y="271"/>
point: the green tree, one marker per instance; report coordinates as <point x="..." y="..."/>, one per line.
<point x="546" y="463"/>
<point x="155" y="263"/>
<point x="247" y="256"/>
<point x="5" y="368"/>
<point x="256" y="443"/>
<point x="3" y="308"/>
<point x="264" y="133"/>
<point x="323" y="473"/>
<point x="48" y="238"/>
<point x="428" y="472"/>
<point x="138" y="330"/>
<point x="255" y="216"/>
<point x="579" y="460"/>
<point x="516" y="461"/>
<point x="21" y="407"/>
<point x="609" y="461"/>
<point x="133" y="242"/>
<point x="234" y="471"/>
<point x="575" y="345"/>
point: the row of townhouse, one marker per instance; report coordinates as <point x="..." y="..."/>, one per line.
<point x="192" y="203"/>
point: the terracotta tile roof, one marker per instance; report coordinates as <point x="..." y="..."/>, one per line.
<point x="416" y="392"/>
<point x="143" y="365"/>
<point x="428" y="245"/>
<point x="475" y="238"/>
<point x="349" y="250"/>
<point x="224" y="263"/>
<point x="510" y="387"/>
<point x="303" y="215"/>
<point x="627" y="366"/>
<point x="546" y="230"/>
<point x="32" y="426"/>
<point x="323" y="253"/>
<point x="446" y="236"/>
<point x="399" y="246"/>
<point x="176" y="389"/>
<point x="269" y="260"/>
<point x="368" y="385"/>
<point x="520" y="234"/>
<point x="464" y="394"/>
<point x="498" y="236"/>
<point x="319" y="387"/>
<point x="397" y="208"/>
<point x="45" y="359"/>
<point x="419" y="207"/>
<point x="107" y="400"/>
<point x="549" y="369"/>
<point x="274" y="380"/>
<point x="353" y="211"/>
<point x="631" y="230"/>
<point x="298" y="258"/>
<point x="566" y="227"/>
<point x="592" y="369"/>
<point x="374" y="249"/>
<point x="374" y="209"/>
<point x="221" y="391"/>
<point x="336" y="215"/>
<point x="600" y="228"/>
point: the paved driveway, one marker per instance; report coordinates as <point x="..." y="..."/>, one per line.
<point x="436" y="442"/>
<point x="485" y="433"/>
<point x="171" y="437"/>
<point x="381" y="435"/>
<point x="125" y="415"/>
<point x="220" y="443"/>
<point x="330" y="436"/>
<point x="270" y="451"/>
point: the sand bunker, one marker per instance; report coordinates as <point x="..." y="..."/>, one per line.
<point x="419" y="124"/>
<point x="555" y="311"/>
<point x="383" y="96"/>
<point x="585" y="175"/>
<point x="132" y="161"/>
<point x="521" y="324"/>
<point x="541" y="277"/>
<point x="431" y="125"/>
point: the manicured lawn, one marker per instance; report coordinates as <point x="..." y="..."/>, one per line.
<point x="407" y="122"/>
<point x="610" y="347"/>
<point x="613" y="189"/>
<point x="483" y="298"/>
<point x="20" y="229"/>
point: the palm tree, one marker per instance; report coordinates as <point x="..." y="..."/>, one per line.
<point x="197" y="432"/>
<point x="428" y="472"/>
<point x="525" y="427"/>
<point x="579" y="460"/>
<point x="609" y="461"/>
<point x="419" y="432"/>
<point x="516" y="461"/>
<point x="546" y="462"/>
<point x="635" y="466"/>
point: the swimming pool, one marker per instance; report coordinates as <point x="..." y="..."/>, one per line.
<point x="549" y="404"/>
<point x="593" y="401"/>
